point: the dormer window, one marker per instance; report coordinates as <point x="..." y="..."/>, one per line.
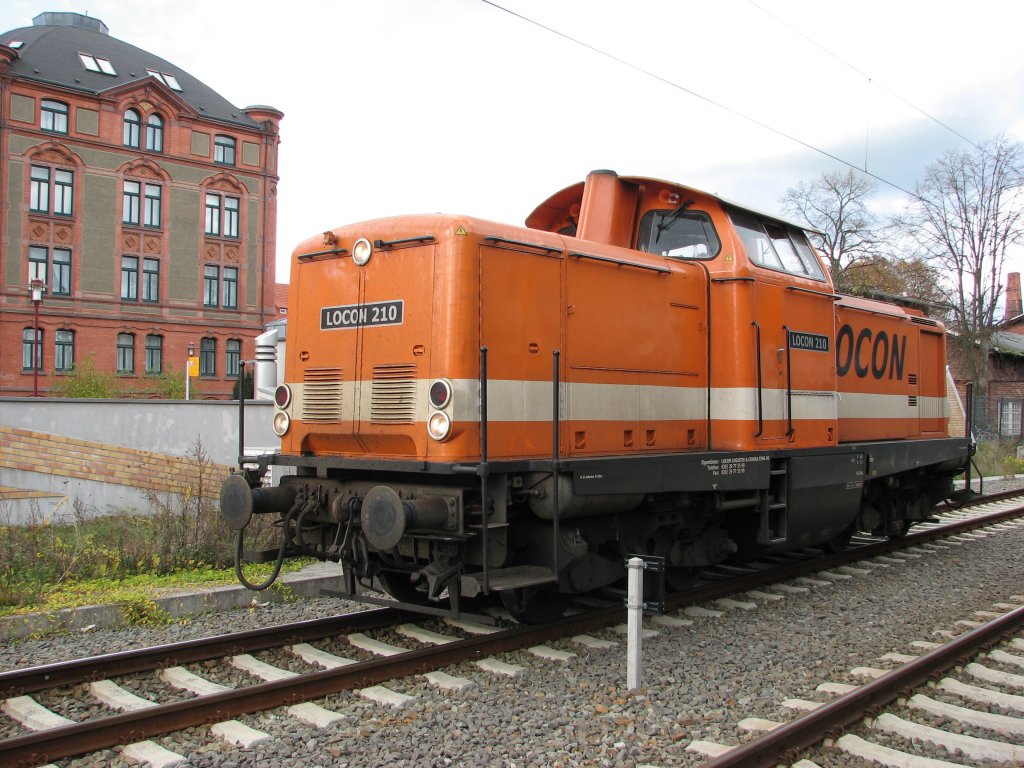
<point x="166" y="78"/>
<point x="97" y="64"/>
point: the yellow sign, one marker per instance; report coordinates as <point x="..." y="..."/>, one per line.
<point x="193" y="366"/>
<point x="461" y="232"/>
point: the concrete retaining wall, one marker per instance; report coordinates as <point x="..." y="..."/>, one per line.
<point x="105" y="455"/>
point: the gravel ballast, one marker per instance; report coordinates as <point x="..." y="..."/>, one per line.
<point x="700" y="680"/>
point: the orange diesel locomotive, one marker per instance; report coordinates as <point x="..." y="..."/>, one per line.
<point x="473" y="408"/>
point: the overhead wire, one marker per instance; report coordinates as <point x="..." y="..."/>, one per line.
<point x="870" y="80"/>
<point x="731" y="110"/>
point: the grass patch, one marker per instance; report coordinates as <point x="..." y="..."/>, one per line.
<point x="73" y="557"/>
<point x="135" y="594"/>
<point x="998" y="458"/>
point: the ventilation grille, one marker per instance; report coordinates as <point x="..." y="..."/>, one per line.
<point x="393" y="398"/>
<point x="912" y="379"/>
<point x="912" y="401"/>
<point x="321" y="394"/>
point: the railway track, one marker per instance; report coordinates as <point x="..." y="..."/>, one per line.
<point x="219" y="706"/>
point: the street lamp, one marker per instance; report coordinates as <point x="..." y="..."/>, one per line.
<point x="36" y="287"/>
<point x="188" y="368"/>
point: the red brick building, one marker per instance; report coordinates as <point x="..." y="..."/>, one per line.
<point x="143" y="203"/>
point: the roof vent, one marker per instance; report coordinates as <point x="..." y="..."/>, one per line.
<point x="63" y="19"/>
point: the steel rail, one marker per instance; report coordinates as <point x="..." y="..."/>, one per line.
<point x="106" y="732"/>
<point x="783" y="744"/>
<point x="22" y="681"/>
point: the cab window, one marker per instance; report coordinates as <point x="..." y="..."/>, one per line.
<point x="678" y="235"/>
<point x="774" y="245"/>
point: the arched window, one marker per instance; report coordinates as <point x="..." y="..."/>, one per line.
<point x="155" y="133"/>
<point x="126" y="353"/>
<point x="224" y="150"/>
<point x="233" y="357"/>
<point x="154" y="353"/>
<point x="32" y="354"/>
<point x="63" y="350"/>
<point x="132" y="124"/>
<point x="207" y="357"/>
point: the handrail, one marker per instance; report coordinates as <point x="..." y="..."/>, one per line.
<point x="540" y="247"/>
<point x="620" y="262"/>
<point x="760" y="402"/>
<point x="556" y="423"/>
<point x="789" y="386"/>
<point x="483" y="469"/>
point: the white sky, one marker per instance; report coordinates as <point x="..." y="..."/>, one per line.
<point x="411" y="106"/>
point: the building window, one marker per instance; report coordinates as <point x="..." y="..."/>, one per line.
<point x="32" y="354"/>
<point x="221" y="215"/>
<point x="155" y="133"/>
<point x="1009" y="418"/>
<point x="39" y="192"/>
<point x="151" y="214"/>
<point x="151" y="280"/>
<point x="37" y="259"/>
<point x="61" y="283"/>
<point x="63" y="190"/>
<point x="63" y="350"/>
<point x="54" y="116"/>
<point x="130" y="207"/>
<point x="166" y="78"/>
<point x="224" y="150"/>
<point x="211" y="280"/>
<point x="154" y="354"/>
<point x="232" y="357"/>
<point x="97" y="64"/>
<point x="208" y="357"/>
<point x="230" y="287"/>
<point x="231" y="216"/>
<point x="126" y="353"/>
<point x="129" y="278"/>
<point x="132" y="124"/>
<point x="212" y="214"/>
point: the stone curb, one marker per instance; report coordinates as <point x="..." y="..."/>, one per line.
<point x="307" y="582"/>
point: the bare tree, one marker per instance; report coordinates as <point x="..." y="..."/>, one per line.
<point x="965" y="215"/>
<point x="912" y="278"/>
<point x="836" y="205"/>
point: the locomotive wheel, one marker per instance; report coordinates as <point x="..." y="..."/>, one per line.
<point x="904" y="527"/>
<point x="681" y="579"/>
<point x="399" y="587"/>
<point x="534" y="605"/>
<point x="839" y="543"/>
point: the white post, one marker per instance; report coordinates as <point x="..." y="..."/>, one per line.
<point x="634" y="624"/>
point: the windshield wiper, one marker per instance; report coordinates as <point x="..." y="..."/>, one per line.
<point x="667" y="221"/>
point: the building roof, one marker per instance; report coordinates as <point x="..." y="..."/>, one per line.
<point x="281" y="298"/>
<point x="49" y="52"/>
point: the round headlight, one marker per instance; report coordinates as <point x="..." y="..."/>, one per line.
<point x="282" y="396"/>
<point x="439" y="425"/>
<point x="362" y="251"/>
<point x="440" y="393"/>
<point x="281" y="423"/>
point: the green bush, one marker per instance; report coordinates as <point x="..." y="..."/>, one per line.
<point x="998" y="458"/>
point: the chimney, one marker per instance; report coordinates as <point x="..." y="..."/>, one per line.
<point x="1014" y="307"/>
